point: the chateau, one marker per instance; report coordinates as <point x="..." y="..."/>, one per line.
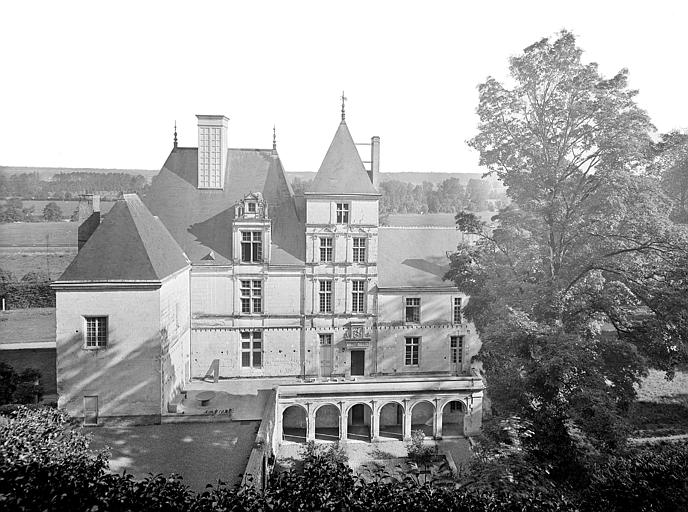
<point x="222" y="273"/>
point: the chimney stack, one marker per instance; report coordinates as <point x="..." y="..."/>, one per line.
<point x="374" y="172"/>
<point x="89" y="217"/>
<point x="212" y="151"/>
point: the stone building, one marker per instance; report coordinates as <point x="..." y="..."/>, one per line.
<point x="225" y="272"/>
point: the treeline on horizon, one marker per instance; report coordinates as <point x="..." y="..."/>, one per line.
<point x="449" y="196"/>
<point x="66" y="186"/>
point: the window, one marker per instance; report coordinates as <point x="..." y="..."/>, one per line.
<point x="326" y="296"/>
<point x="359" y="250"/>
<point x="455" y="406"/>
<point x="96" y="331"/>
<point x="456" y="349"/>
<point x="251" y="207"/>
<point x="413" y="309"/>
<point x="251" y="297"/>
<point x="342" y="213"/>
<point x="251" y="349"/>
<point x="412" y="347"/>
<point x="325" y="249"/>
<point x="457" y="310"/>
<point x="326" y="339"/>
<point x="358" y="296"/>
<point x="251" y="246"/>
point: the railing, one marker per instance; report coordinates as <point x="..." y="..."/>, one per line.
<point x="384" y="385"/>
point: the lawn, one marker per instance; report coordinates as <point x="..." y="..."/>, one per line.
<point x="430" y="219"/>
<point x="67" y="207"/>
<point x="662" y="406"/>
<point x="201" y="452"/>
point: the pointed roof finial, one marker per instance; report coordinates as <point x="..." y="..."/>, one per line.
<point x="274" y="138"/>
<point x="175" y="133"/>
<point x="343" y="112"/>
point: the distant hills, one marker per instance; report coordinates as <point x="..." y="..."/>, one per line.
<point x="416" y="178"/>
<point x="45" y="173"/>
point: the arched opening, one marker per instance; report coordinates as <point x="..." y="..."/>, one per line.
<point x="452" y="419"/>
<point x="358" y="422"/>
<point x="327" y="423"/>
<point x="392" y="421"/>
<point x="423" y="418"/>
<point x="294" y="424"/>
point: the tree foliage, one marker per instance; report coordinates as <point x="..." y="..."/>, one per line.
<point x="52" y="212"/>
<point x="46" y="464"/>
<point x="581" y="281"/>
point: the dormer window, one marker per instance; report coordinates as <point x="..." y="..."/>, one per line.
<point x="251" y="246"/>
<point x="251" y="207"/>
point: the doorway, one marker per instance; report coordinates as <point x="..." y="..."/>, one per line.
<point x="357" y="362"/>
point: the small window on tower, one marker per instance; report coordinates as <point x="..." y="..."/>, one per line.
<point x="251" y="207"/>
<point x="342" y="213"/>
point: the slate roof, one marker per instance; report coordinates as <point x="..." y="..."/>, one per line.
<point x="342" y="171"/>
<point x="129" y="245"/>
<point x="201" y="220"/>
<point x="415" y="257"/>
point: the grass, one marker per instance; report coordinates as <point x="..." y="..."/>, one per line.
<point x="38" y="234"/>
<point x="67" y="207"/>
<point x="430" y="219"/>
<point x="44" y="247"/>
<point x="662" y="406"/>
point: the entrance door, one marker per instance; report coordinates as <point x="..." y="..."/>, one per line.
<point x="357" y="362"/>
<point x="325" y="360"/>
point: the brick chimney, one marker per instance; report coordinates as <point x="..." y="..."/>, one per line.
<point x="212" y="151"/>
<point x="374" y="172"/>
<point x="89" y="217"/>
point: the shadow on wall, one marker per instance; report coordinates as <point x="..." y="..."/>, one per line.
<point x="124" y="375"/>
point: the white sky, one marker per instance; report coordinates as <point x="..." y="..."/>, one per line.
<point x="90" y="84"/>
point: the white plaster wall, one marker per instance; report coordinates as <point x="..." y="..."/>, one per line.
<point x="175" y="321"/>
<point x="434" y="355"/>
<point x="126" y="374"/>
<point x="435" y="307"/>
<point x="282" y="295"/>
<point x="323" y="211"/>
<point x="281" y="353"/>
<point x="212" y="294"/>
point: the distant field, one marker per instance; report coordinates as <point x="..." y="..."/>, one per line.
<point x="662" y="406"/>
<point x="38" y="234"/>
<point x="430" y="219"/>
<point x="22" y="260"/>
<point x="67" y="207"/>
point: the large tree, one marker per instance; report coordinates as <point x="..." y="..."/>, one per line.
<point x="579" y="280"/>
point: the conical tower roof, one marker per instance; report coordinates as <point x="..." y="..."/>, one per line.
<point x="342" y="171"/>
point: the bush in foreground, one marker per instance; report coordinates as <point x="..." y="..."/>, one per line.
<point x="46" y="464"/>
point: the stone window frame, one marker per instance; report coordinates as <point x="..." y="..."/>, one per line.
<point x="252" y="298"/>
<point x="360" y="252"/>
<point x="408" y="345"/>
<point x="251" y="349"/>
<point x="102" y="334"/>
<point x="457" y="305"/>
<point x="457" y="349"/>
<point x="416" y="319"/>
<point x="325" y="306"/>
<point x="326" y="249"/>
<point x="358" y="296"/>
<point x="252" y="244"/>
<point x="342" y="213"/>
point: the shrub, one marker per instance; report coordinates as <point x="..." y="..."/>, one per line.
<point x="23" y="388"/>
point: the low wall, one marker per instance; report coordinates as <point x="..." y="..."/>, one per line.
<point x="264" y="448"/>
